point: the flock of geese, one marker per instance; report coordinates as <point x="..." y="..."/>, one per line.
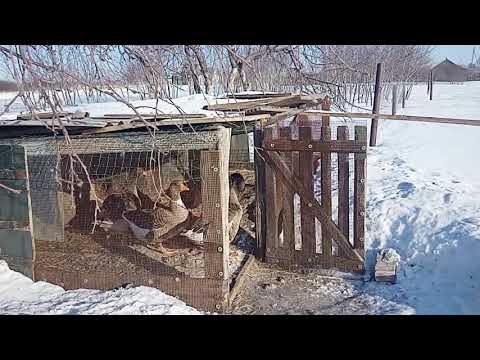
<point x="136" y="203"/>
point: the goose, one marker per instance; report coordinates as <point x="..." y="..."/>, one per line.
<point x="192" y="198"/>
<point x="153" y="182"/>
<point x="235" y="210"/>
<point x="111" y="212"/>
<point x="150" y="226"/>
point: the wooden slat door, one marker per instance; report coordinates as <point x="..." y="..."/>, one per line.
<point x="284" y="181"/>
<point x="16" y="240"/>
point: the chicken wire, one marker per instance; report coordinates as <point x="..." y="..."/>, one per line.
<point x="68" y="236"/>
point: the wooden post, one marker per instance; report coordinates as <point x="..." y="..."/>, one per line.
<point x="215" y="194"/>
<point x="376" y="105"/>
<point x="271" y="202"/>
<point x="359" y="193"/>
<point x="431" y="84"/>
<point x="260" y="185"/>
<point x="394" y="99"/>
<point x="306" y="173"/>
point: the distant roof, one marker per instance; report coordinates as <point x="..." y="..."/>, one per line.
<point x="450" y="63"/>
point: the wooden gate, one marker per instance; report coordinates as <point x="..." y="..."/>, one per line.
<point x="295" y="222"/>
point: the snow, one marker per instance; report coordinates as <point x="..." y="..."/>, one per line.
<point x="20" y="295"/>
<point x="389" y="256"/>
<point x="190" y="104"/>
<point x="424" y="201"/>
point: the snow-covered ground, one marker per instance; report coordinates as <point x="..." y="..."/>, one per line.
<point x="20" y="295"/>
<point x="423" y="201"/>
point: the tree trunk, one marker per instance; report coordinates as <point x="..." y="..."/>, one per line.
<point x="203" y="68"/>
<point x="196" y="82"/>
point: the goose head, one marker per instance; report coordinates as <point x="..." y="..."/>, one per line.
<point x="176" y="187"/>
<point x="237" y="182"/>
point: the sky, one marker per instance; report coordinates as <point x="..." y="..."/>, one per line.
<point x="459" y="54"/>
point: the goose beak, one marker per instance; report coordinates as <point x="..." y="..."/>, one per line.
<point x="183" y="187"/>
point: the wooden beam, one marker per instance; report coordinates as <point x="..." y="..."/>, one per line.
<point x="338" y="146"/>
<point x="257" y="96"/>
<point x="150" y="116"/>
<point x="178" y="122"/>
<point x="431" y="119"/>
<point x="240" y="279"/>
<point x="265" y="109"/>
<point x="296" y="185"/>
<point x="290" y="113"/>
<point x="376" y="105"/>
<point x="242" y="105"/>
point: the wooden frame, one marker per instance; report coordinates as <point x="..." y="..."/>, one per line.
<point x="278" y="154"/>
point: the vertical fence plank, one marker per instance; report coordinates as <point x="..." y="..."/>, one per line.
<point x="359" y="192"/>
<point x="343" y="187"/>
<point x="270" y="200"/>
<point x="260" y="185"/>
<point x="287" y="201"/>
<point x="326" y="169"/>
<point x="376" y="105"/>
<point x="306" y="174"/>
<point x="296" y="209"/>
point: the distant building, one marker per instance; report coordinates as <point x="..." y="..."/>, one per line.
<point x="474" y="74"/>
<point x="451" y="72"/>
<point x="8" y="86"/>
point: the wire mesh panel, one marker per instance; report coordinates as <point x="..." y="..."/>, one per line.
<point x="16" y="243"/>
<point x="47" y="200"/>
<point x="130" y="208"/>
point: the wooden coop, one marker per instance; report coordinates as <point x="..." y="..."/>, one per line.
<point x="51" y="228"/>
<point x="53" y="235"/>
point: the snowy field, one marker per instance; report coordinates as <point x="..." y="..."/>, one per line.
<point x="423" y="201"/>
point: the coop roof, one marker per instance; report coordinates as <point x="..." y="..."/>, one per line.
<point x="235" y="113"/>
<point x="449" y="63"/>
<point x="206" y="139"/>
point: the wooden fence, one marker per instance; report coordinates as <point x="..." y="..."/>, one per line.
<point x="295" y="225"/>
